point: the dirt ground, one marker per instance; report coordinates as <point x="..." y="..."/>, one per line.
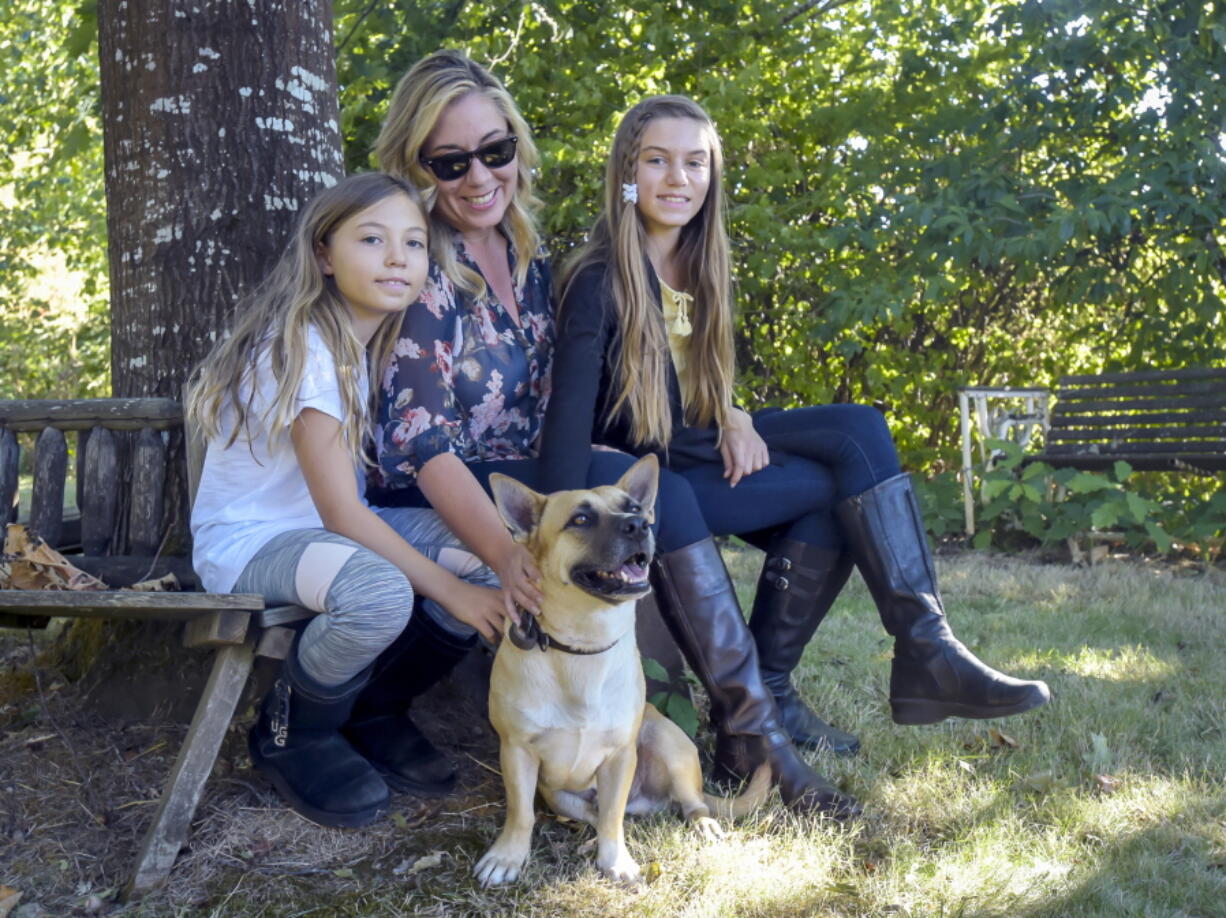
<point x="77" y="792"/>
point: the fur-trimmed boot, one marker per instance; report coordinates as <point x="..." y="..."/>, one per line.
<point x="933" y="675"/>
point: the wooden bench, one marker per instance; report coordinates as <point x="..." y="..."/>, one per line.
<point x="1155" y="420"/>
<point x="135" y="444"/>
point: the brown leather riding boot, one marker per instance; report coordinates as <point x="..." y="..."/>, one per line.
<point x="798" y="585"/>
<point x="933" y="675"/>
<point x="699" y="605"/>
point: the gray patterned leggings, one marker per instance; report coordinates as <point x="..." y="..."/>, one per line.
<point x="363" y="599"/>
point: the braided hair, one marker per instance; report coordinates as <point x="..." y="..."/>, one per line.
<point x="618" y="241"/>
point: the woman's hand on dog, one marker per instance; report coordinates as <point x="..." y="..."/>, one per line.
<point x="519" y="577"/>
<point x="481" y="607"/>
<point x="743" y="449"/>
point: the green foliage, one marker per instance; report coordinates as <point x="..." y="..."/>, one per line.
<point x="54" y="338"/>
<point x="675" y="706"/>
<point x="922" y="195"/>
<point x="1036" y="504"/>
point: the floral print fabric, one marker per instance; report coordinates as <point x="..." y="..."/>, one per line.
<point x="464" y="378"/>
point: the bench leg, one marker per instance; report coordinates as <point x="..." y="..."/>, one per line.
<point x="166" y="836"/>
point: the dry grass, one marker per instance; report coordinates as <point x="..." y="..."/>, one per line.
<point x="1109" y="802"/>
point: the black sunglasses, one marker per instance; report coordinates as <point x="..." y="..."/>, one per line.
<point x="451" y="166"/>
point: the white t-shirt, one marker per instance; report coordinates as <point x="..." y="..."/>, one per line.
<point x="247" y="493"/>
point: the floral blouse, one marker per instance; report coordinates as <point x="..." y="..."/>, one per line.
<point x="464" y="378"/>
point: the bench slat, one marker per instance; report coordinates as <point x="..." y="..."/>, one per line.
<point x="1064" y="408"/>
<point x="9" y="455"/>
<point x="1140" y="417"/>
<point x="101" y="492"/>
<point x="148" y="483"/>
<point x="1086" y="432"/>
<point x="1206" y="447"/>
<point x="89" y="604"/>
<point x="83" y="413"/>
<point x="50" y="467"/>
<point x="1143" y="391"/>
<point x="1205" y="463"/>
<point x="1145" y="375"/>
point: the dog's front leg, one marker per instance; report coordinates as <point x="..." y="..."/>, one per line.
<point x="506" y="856"/>
<point x="613" y="781"/>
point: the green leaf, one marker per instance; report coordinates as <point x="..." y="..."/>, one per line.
<point x="653" y="670"/>
<point x="680" y="710"/>
<point x="1087" y="483"/>
<point x="1122" y="470"/>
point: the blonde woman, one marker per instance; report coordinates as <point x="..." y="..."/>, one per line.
<point x="283" y="404"/>
<point x="644" y="363"/>
<point x="469" y="384"/>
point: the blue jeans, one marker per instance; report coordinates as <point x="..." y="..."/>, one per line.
<point x="820" y="456"/>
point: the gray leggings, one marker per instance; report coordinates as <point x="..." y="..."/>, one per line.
<point x="364" y="600"/>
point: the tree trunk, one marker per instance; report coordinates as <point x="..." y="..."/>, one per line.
<point x="221" y="121"/>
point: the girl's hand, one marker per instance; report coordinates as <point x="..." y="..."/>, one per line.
<point x="519" y="578"/>
<point x="481" y="607"/>
<point x="743" y="450"/>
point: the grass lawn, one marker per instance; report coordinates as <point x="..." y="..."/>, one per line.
<point x="1109" y="802"/>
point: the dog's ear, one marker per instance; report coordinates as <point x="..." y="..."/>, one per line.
<point x="519" y="506"/>
<point x="641" y="481"/>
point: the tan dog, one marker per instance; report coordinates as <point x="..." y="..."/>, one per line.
<point x="568" y="700"/>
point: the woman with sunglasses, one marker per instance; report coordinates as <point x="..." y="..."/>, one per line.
<point x="466" y="395"/>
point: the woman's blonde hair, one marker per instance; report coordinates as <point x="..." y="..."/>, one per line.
<point x="420" y="99"/>
<point x="618" y="241"/>
<point x="276" y="316"/>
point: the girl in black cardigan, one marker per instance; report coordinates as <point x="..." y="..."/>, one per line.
<point x="644" y="363"/>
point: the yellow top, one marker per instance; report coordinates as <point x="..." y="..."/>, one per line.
<point x="677" y="322"/>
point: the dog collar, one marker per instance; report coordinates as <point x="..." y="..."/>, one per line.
<point x="530" y="634"/>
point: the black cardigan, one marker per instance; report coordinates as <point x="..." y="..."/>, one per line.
<point x="583" y="387"/>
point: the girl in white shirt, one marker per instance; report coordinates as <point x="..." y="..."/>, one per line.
<point x="283" y="403"/>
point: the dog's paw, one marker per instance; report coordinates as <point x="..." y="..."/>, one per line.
<point x="620" y="867"/>
<point x="501" y="864"/>
<point x="709" y="829"/>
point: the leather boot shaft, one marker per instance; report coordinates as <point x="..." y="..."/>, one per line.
<point x="798" y="585"/>
<point x="933" y="675"/>
<point x="698" y="603"/>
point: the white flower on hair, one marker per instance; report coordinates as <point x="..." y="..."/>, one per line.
<point x="630" y="193"/>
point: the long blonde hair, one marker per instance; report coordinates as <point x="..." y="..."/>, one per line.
<point x="421" y="96"/>
<point x="618" y="241"/>
<point x="276" y="316"/>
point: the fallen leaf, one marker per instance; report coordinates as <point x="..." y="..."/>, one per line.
<point x="399" y="821"/>
<point x="9" y="898"/>
<point x="1107" y="784"/>
<point x="434" y="859"/>
<point x="652" y="871"/>
<point x="1003" y="739"/>
<point x="1098" y="757"/>
<point x="966" y="766"/>
<point x="344" y="873"/>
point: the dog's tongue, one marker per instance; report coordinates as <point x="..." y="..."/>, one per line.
<point x="632" y="573"/>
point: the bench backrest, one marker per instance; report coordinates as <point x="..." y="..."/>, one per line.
<point x="106" y="467"/>
<point x="1154" y="419"/>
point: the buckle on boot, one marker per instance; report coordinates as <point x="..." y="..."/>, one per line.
<point x="278" y="723"/>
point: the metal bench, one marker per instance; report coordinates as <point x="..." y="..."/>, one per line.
<point x="131" y="443"/>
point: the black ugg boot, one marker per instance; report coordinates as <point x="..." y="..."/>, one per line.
<point x="933" y="675"/>
<point x="380" y="727"/>
<point x="699" y="605"/>
<point x="798" y="585"/>
<point x="296" y="744"/>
